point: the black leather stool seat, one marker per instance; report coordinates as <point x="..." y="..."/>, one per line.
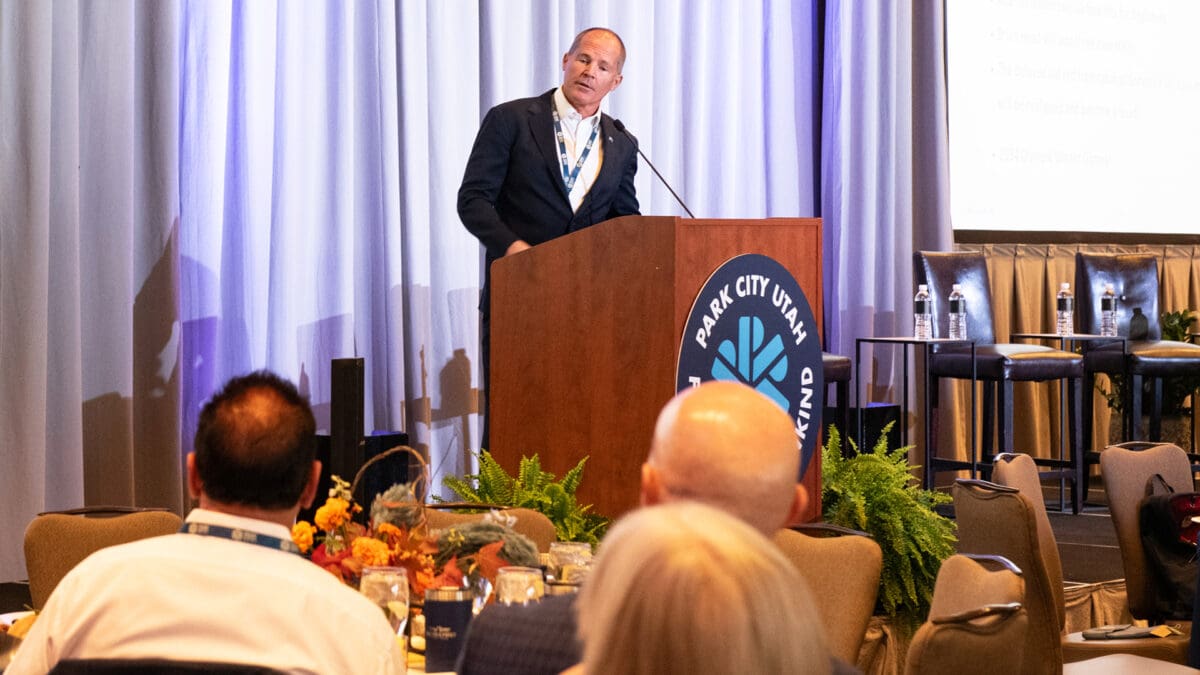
<point x="1155" y="358"/>
<point x="837" y="367"/>
<point x="1016" y="362"/>
<point x="998" y="366"/>
<point x="1134" y="280"/>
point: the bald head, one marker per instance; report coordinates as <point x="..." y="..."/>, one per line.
<point x="725" y="444"/>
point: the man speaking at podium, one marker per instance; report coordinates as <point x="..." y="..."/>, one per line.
<point x="545" y="166"/>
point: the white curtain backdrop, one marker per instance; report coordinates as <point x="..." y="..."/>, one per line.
<point x="89" y="206"/>
<point x="193" y="189"/>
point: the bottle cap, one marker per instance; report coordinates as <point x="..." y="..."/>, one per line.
<point x="922" y="287"/>
<point x="1108" y="288"/>
<point x="1065" y="286"/>
<point x="956" y="287"/>
<point x="448" y="593"/>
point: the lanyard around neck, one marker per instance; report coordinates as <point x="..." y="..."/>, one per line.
<point x="569" y="175"/>
<point x="245" y="536"/>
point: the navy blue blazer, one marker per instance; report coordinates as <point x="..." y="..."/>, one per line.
<point x="537" y="639"/>
<point x="513" y="188"/>
<point x="534" y="639"/>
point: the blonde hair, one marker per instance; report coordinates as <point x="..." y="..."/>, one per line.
<point x="686" y="588"/>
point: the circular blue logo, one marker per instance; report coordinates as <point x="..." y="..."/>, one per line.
<point x="751" y="323"/>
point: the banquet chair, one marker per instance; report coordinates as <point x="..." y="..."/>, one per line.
<point x="1126" y="473"/>
<point x="842" y="568"/>
<point x="997" y="366"/>
<point x="56" y="542"/>
<point x="1017" y="470"/>
<point x="976" y="622"/>
<point x="999" y="520"/>
<point x="1135" y="281"/>
<point x="837" y="370"/>
<point x="533" y="524"/>
<point x="155" y="667"/>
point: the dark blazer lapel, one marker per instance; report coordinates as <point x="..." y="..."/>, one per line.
<point x="541" y="128"/>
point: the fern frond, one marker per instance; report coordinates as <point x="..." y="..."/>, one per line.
<point x="495" y="485"/>
<point x="877" y="493"/>
<point x="465" y="490"/>
<point x="570" y="482"/>
<point x="535" y="489"/>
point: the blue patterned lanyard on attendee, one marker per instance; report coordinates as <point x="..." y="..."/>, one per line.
<point x="234" y="534"/>
<point x="568" y="175"/>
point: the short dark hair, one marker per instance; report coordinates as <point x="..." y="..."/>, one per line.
<point x="585" y="31"/>
<point x="256" y="442"/>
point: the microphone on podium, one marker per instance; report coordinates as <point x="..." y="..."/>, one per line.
<point x="621" y="128"/>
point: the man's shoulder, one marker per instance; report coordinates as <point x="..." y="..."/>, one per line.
<point x="539" y="103"/>
<point x="553" y="610"/>
<point x="118" y="554"/>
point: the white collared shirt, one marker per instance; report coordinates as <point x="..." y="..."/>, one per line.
<point x="204" y="598"/>
<point x="576" y="131"/>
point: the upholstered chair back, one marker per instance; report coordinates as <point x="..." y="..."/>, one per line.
<point x="1135" y="283"/>
<point x="1126" y="473"/>
<point x="940" y="271"/>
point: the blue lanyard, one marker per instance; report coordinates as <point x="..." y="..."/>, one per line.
<point x="245" y="536"/>
<point x="569" y="176"/>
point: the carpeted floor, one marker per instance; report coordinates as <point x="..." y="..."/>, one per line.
<point x="1087" y="545"/>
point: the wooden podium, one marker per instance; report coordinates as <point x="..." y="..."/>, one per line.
<point x="585" y="337"/>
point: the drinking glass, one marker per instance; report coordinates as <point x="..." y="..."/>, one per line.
<point x="519" y="585"/>
<point x="570" y="560"/>
<point x="387" y="587"/>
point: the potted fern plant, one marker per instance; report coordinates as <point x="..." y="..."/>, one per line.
<point x="875" y="492"/>
<point x="536" y="489"/>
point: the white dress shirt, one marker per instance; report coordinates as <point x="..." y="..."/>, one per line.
<point x="577" y="129"/>
<point x="191" y="597"/>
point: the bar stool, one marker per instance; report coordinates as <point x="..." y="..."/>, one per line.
<point x="1135" y="282"/>
<point x="837" y="370"/>
<point x="998" y="365"/>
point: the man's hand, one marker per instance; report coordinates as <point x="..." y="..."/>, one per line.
<point x="516" y="247"/>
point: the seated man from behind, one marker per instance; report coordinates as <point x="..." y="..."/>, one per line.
<point x="719" y="443"/>
<point x="231" y="587"/>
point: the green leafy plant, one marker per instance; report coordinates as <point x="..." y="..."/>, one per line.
<point x="1176" y="390"/>
<point x="876" y="493"/>
<point x="536" y="489"/>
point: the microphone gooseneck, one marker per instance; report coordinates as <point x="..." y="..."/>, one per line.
<point x="621" y="128"/>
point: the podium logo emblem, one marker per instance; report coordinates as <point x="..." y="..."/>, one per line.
<point x="751" y="323"/>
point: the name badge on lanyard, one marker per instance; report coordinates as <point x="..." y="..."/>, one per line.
<point x="571" y="175"/>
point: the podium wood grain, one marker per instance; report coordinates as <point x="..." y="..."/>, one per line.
<point x="586" y="331"/>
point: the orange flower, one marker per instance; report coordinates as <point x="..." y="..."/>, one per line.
<point x="388" y="531"/>
<point x="371" y="551"/>
<point x="334" y="513"/>
<point x="302" y="535"/>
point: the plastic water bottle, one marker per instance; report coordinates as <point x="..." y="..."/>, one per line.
<point x="922" y="313"/>
<point x="1065" y="310"/>
<point x="1108" y="312"/>
<point x="958" y="314"/>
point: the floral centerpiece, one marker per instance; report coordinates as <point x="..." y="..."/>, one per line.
<point x="395" y="533"/>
